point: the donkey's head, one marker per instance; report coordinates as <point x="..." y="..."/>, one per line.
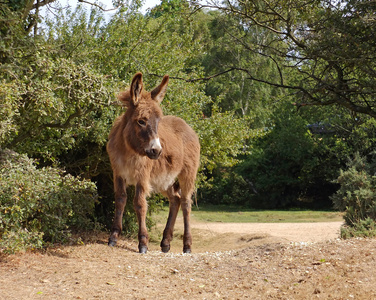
<point x="143" y="116"/>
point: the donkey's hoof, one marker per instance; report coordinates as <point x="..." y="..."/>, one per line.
<point x="142" y="249"/>
<point x="111" y="243"/>
<point x="165" y="249"/>
<point x="187" y="250"/>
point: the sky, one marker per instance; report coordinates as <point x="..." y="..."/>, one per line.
<point x="107" y="4"/>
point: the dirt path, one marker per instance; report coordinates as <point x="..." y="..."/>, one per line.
<point x="237" y="261"/>
<point x="291" y="232"/>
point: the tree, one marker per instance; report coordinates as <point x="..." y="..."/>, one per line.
<point x="232" y="90"/>
<point x="171" y="7"/>
<point x="59" y="90"/>
<point x="28" y="12"/>
<point x="323" y="50"/>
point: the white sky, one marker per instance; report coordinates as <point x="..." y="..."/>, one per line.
<point x="107" y="4"/>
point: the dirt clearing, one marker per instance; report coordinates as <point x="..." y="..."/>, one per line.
<point x="230" y="261"/>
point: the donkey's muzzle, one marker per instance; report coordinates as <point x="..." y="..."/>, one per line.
<point x="153" y="153"/>
<point x="155" y="149"/>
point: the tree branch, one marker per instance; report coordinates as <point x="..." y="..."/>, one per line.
<point x="314" y="101"/>
<point x="66" y="124"/>
<point x="42" y="3"/>
<point x="45" y="2"/>
<point x="196" y="79"/>
<point x="96" y="5"/>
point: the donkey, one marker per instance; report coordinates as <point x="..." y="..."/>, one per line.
<point x="155" y="153"/>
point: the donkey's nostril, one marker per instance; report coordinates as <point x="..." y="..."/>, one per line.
<point x="154" y="153"/>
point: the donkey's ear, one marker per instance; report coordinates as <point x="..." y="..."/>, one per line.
<point x="159" y="92"/>
<point x="136" y="88"/>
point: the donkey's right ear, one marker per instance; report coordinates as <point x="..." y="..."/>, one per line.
<point x="136" y="88"/>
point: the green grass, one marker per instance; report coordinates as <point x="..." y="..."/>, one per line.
<point x="233" y="214"/>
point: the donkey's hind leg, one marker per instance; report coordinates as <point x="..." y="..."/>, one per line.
<point x="187" y="237"/>
<point x="187" y="188"/>
<point x="120" y="201"/>
<point x="173" y="194"/>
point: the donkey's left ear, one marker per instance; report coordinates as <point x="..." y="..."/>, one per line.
<point x="159" y="92"/>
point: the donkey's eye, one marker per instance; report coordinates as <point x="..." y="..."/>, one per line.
<point x="141" y="123"/>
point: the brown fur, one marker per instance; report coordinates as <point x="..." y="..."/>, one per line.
<point x="168" y="165"/>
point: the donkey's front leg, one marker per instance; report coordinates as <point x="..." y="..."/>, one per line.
<point x="140" y="206"/>
<point x="120" y="201"/>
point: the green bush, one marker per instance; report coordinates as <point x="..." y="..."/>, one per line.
<point x="40" y="205"/>
<point x="357" y="197"/>
<point x="362" y="228"/>
<point x="226" y="188"/>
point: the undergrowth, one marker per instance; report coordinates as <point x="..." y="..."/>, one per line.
<point x="40" y="205"/>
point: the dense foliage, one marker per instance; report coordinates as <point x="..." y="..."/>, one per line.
<point x="39" y="205"/>
<point x="276" y="91"/>
<point x="323" y="49"/>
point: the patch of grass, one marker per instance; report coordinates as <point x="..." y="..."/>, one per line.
<point x="235" y="214"/>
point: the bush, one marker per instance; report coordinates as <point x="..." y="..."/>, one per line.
<point x="357" y="197"/>
<point x="226" y="188"/>
<point x="40" y="205"/>
<point x="363" y="228"/>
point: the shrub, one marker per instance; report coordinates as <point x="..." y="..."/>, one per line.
<point x="357" y="197"/>
<point x="362" y="228"/>
<point x="40" y="205"/>
<point x="226" y="188"/>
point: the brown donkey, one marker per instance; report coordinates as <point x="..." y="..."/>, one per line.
<point x="155" y="153"/>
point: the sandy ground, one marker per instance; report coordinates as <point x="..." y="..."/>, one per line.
<point x="230" y="261"/>
<point x="290" y="232"/>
